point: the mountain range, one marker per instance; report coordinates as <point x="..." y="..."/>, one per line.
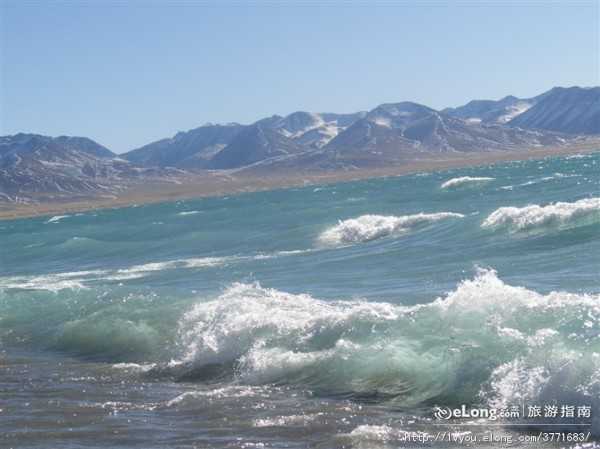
<point x="41" y="167"/>
<point x="55" y="168"/>
<point x="572" y="110"/>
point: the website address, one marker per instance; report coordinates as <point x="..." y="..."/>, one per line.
<point x="495" y="437"/>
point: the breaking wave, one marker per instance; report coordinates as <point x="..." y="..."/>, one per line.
<point x="371" y="227"/>
<point x="485" y="340"/>
<point x="558" y="215"/>
<point x="465" y="180"/>
<point x="56" y="218"/>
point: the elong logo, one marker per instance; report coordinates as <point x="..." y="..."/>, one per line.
<point x="464" y="412"/>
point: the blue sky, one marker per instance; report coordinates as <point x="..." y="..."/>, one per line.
<point x="127" y="73"/>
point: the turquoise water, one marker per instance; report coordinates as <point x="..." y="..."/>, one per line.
<point x="330" y="316"/>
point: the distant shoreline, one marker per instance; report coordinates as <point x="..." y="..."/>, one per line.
<point x="211" y="184"/>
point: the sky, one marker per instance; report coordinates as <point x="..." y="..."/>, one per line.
<point x="126" y="73"/>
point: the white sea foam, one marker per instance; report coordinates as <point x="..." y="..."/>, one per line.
<point x="123" y="276"/>
<point x="465" y="180"/>
<point x="198" y="262"/>
<point x="231" y="391"/>
<point x="80" y="279"/>
<point x="148" y="267"/>
<point x="370" y="227"/>
<point x="285" y="420"/>
<point x="293" y="252"/>
<point x="190" y="212"/>
<point x="540" y="180"/>
<point x="526" y="346"/>
<point x="49" y="283"/>
<point x="411" y="353"/>
<point x="201" y="262"/>
<point x="137" y="367"/>
<point x="57" y="218"/>
<point x="559" y="214"/>
<point x="123" y="406"/>
<point x="53" y="282"/>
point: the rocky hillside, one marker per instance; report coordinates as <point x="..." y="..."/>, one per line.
<point x="396" y="132"/>
<point x="573" y="110"/>
<point x="42" y="167"/>
<point x="269" y="137"/>
<point x="191" y="149"/>
<point x="38" y="166"/>
<point x="253" y="144"/>
<point x="491" y="111"/>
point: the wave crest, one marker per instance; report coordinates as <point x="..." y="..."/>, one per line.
<point x="371" y="227"/>
<point x="464" y="181"/>
<point x="561" y="214"/>
<point x="454" y="349"/>
<point x="56" y="218"/>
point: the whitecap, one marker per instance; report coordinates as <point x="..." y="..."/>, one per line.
<point x="136" y="367"/>
<point x="559" y="214"/>
<point x="52" y="282"/>
<point x="409" y="353"/>
<point x="199" y="262"/>
<point x="465" y="180"/>
<point x="56" y="218"/>
<point x="370" y="227"/>
<point x="285" y="420"/>
<point x="49" y="283"/>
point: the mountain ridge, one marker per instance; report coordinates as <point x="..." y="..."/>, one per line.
<point x="573" y="110"/>
<point x="33" y="165"/>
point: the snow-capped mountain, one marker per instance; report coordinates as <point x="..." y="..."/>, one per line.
<point x="49" y="148"/>
<point x="394" y="131"/>
<point x="190" y="149"/>
<point x="275" y="135"/>
<point x="312" y="129"/>
<point x="33" y="165"/>
<point x="253" y="144"/>
<point x="492" y="111"/>
<point x="38" y="166"/>
<point x="573" y="110"/>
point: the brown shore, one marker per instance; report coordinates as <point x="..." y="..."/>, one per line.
<point x="205" y="184"/>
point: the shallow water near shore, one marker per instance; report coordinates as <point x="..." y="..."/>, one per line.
<point x="332" y="316"/>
